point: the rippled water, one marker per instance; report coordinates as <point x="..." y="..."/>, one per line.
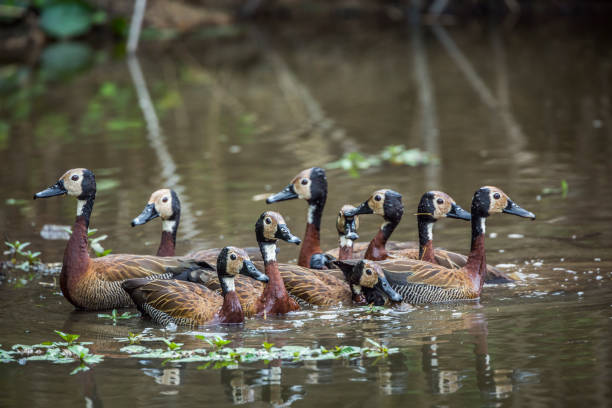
<point x="521" y="108"/>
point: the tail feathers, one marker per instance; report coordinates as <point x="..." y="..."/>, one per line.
<point x="130" y="285"/>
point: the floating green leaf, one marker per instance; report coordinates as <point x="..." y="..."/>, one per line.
<point x="68" y="338"/>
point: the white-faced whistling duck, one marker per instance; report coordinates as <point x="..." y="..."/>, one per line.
<point x="309" y="185"/>
<point x="191" y="304"/>
<point x="95" y="284"/>
<point x="165" y="204"/>
<point x="424" y="282"/>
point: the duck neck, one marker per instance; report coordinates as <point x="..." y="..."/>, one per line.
<point x="231" y="310"/>
<point x="274" y="299"/>
<point x="345" y="249"/>
<point x="426" y="249"/>
<point x="376" y="250"/>
<point x="167" y="244"/>
<point x="312" y="237"/>
<point x="76" y="258"/>
<point x="476" y="265"/>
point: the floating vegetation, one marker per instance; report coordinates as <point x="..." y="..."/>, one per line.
<point x="67" y="351"/>
<point x="563" y="189"/>
<point x="16" y="252"/>
<point x="393" y="154"/>
<point x="219" y="355"/>
<point x="94" y="243"/>
<point x="114" y="316"/>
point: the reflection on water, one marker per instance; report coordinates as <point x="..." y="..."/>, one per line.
<point x="226" y="119"/>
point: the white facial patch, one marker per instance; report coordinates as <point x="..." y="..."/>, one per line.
<point x="357" y="289"/>
<point x="345" y="242"/>
<point x="229" y="284"/>
<point x="80" y="205"/>
<point x="168" y="225"/>
<point x="269" y="252"/>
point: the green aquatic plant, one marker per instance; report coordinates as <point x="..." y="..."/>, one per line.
<point x="68" y="338"/>
<point x="563" y="189"/>
<point x="94" y="243"/>
<point x="17" y="249"/>
<point x="114" y="316"/>
<point x="172" y="346"/>
<point x="353" y="162"/>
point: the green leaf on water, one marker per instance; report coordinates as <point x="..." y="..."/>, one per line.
<point x="267" y="346"/>
<point x="564" y="188"/>
<point x="68" y="338"/>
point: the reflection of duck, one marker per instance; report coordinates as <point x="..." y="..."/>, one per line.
<point x="310" y="185"/>
<point x="95" y="284"/>
<point x="424" y="282"/>
<point x="165" y="204"/>
<point x="191" y="304"/>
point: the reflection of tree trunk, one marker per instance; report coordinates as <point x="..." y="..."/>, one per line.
<point x="158" y="143"/>
<point x="135" y="25"/>
<point x="90" y="390"/>
<point x="429" y="130"/>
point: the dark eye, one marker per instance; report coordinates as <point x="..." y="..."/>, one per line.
<point x="440" y="201"/>
<point x="368" y="271"/>
<point x="496" y="196"/>
<point x="268" y="220"/>
<point x="304" y="182"/>
<point x="377" y="197"/>
<point x="75" y="177"/>
<point x="233" y="257"/>
<point x="165" y="199"/>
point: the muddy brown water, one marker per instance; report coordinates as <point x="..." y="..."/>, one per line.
<point x="520" y="108"/>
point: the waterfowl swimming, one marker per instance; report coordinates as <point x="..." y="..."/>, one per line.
<point x="309" y="185"/>
<point x="347" y="235"/>
<point x="432" y="206"/>
<point x="388" y="204"/>
<point x="165" y="204"/>
<point x="95" y="284"/>
<point x="424" y="282"/>
<point x="256" y="298"/>
<point x="191" y="304"/>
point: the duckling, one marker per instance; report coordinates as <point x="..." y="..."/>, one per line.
<point x="424" y="282"/>
<point x="191" y="304"/>
<point x="95" y="284"/>
<point x="433" y="206"/>
<point x="164" y="203"/>
<point x="309" y="185"/>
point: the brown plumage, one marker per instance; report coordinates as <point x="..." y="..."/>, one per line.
<point x="432" y="206"/>
<point x="95" y="283"/>
<point x="191" y="304"/>
<point x="424" y="282"/>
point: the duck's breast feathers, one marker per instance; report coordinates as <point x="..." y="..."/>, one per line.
<point x="178" y="299"/>
<point x="122" y="267"/>
<point x="408" y="271"/>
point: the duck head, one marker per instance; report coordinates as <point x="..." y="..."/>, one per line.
<point x="309" y="185"/>
<point x="345" y="225"/>
<point x="163" y="203"/>
<point x="269" y="228"/>
<point x="386" y="203"/>
<point x="80" y="183"/>
<point x="437" y="204"/>
<point x="233" y="261"/>
<point x="366" y="274"/>
<point x="490" y="200"/>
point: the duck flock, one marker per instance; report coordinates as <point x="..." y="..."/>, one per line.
<point x="219" y="286"/>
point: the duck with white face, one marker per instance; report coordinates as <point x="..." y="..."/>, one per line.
<point x="309" y="185"/>
<point x="191" y="304"/>
<point x="165" y="204"/>
<point x="424" y="282"/>
<point x="95" y="284"/>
